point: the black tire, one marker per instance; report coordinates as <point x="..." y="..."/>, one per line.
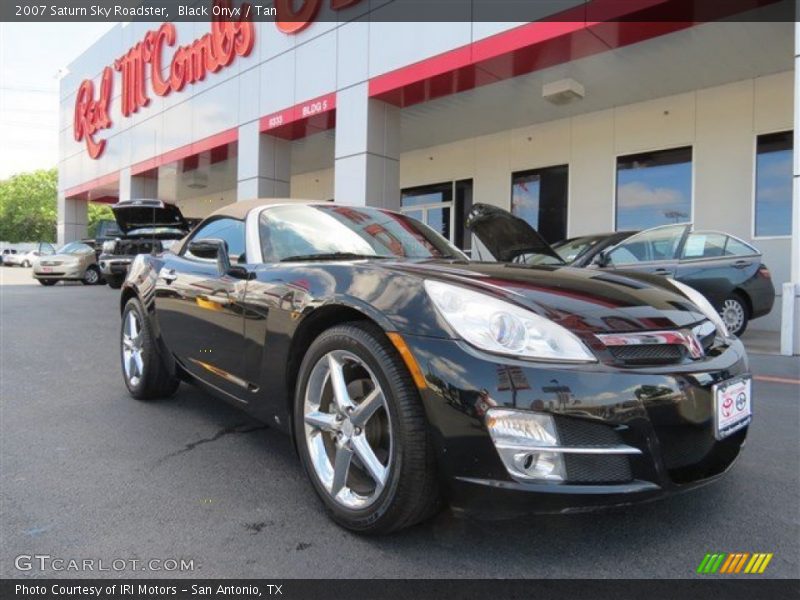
<point x="155" y="380"/>
<point x="26" y="264"/>
<point x="736" y="313"/>
<point x="410" y="494"/>
<point x="114" y="281"/>
<point x="91" y="276"/>
<point x="48" y="282"/>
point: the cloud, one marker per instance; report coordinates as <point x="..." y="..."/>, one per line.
<point x="637" y="194"/>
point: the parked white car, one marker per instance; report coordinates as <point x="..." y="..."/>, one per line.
<point x="28" y="258"/>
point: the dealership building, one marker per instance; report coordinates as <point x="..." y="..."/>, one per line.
<point x="577" y="125"/>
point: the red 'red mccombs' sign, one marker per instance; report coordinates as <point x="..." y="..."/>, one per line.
<point x="189" y="64"/>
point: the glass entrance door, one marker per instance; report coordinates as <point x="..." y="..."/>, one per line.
<point x="433" y="205"/>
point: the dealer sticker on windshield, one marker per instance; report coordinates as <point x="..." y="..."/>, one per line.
<point x="732" y="409"/>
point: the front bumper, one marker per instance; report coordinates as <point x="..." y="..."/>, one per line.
<point x="664" y="412"/>
<point x="111" y="265"/>
<point x="58" y="272"/>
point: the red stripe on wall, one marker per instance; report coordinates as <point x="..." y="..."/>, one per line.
<point x="220" y="139"/>
<point x="519" y="51"/>
<point x="301" y="120"/>
<point x="83" y="188"/>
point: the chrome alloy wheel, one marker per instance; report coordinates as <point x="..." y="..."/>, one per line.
<point x="132" y="359"/>
<point x="348" y="429"/>
<point x="733" y="315"/>
<point x="91" y="277"/>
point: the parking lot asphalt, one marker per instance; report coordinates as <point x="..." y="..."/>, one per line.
<point x="87" y="472"/>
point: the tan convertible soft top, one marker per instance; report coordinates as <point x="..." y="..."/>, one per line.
<point x="239" y="210"/>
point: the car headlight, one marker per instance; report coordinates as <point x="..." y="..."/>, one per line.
<point x="500" y="327"/>
<point x="704" y="305"/>
<point x="108" y="247"/>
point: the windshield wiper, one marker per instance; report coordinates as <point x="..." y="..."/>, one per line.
<point x="332" y="256"/>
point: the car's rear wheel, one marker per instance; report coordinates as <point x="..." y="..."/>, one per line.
<point x="735" y="313"/>
<point x="114" y="281"/>
<point x="48" y="281"/>
<point x="91" y="276"/>
<point x="143" y="369"/>
<point x="26" y="264"/>
<point x="362" y="433"/>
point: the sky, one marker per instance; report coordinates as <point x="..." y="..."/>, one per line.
<point x="31" y="56"/>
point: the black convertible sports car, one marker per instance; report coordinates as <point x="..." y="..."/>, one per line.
<point x="408" y="375"/>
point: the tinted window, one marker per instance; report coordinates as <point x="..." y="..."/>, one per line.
<point x="648" y="246"/>
<point x="540" y="198"/>
<point x="654" y="188"/>
<point x="229" y="230"/>
<point x="774" y="184"/>
<point x="301" y="231"/>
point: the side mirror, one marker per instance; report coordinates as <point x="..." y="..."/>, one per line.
<point x="211" y="249"/>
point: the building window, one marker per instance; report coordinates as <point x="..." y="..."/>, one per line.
<point x="654" y="188"/>
<point x="774" y="184"/>
<point x="540" y="198"/>
<point x="441" y="206"/>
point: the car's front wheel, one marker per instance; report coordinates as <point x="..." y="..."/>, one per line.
<point x="144" y="371"/>
<point x="91" y="276"/>
<point x="26" y="264"/>
<point x="362" y="433"/>
<point x="114" y="281"/>
<point x="735" y="313"/>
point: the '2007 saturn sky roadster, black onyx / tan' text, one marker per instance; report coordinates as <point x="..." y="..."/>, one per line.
<point x="410" y="376"/>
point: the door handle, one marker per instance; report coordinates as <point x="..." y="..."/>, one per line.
<point x="662" y="271"/>
<point x="168" y="275"/>
<point x="741" y="264"/>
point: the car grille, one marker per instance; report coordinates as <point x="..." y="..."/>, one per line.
<point x="656" y="354"/>
<point x="655" y="348"/>
<point x="49" y="263"/>
<point x="592" y="468"/>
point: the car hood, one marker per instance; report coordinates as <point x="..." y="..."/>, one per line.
<point x="505" y="235"/>
<point x="137" y="214"/>
<point x="583" y="301"/>
<point x="61" y="257"/>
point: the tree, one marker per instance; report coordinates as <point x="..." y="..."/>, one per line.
<point x="97" y="213"/>
<point x="28" y="207"/>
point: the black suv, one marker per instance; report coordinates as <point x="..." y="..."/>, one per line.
<point x="145" y="227"/>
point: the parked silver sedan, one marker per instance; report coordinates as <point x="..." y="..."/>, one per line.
<point x="75" y="261"/>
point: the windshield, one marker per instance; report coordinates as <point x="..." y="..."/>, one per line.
<point x="303" y="232"/>
<point x="531" y="258"/>
<point x="570" y="250"/>
<point x="75" y="248"/>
